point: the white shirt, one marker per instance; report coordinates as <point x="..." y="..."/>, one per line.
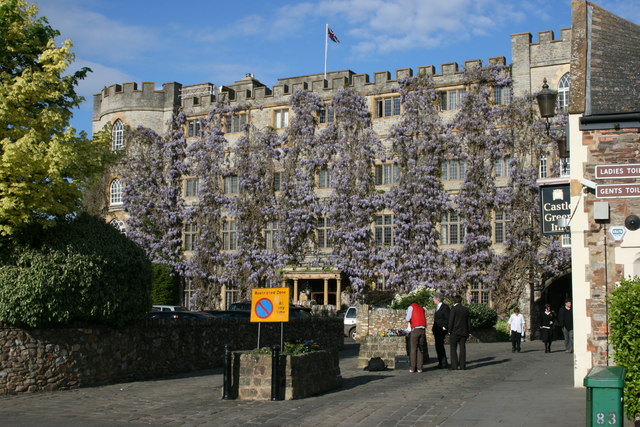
<point x="516" y="321"/>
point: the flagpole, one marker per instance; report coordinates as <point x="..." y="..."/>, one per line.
<point x="326" y="45"/>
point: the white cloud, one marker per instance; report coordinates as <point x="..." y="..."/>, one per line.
<point x="96" y="35"/>
<point x="101" y="75"/>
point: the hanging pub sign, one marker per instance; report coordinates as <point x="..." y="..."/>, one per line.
<point x="555" y="203"/>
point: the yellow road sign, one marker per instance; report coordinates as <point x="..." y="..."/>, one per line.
<point x="270" y="305"/>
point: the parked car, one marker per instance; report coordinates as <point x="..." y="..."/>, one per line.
<point x="178" y="315"/>
<point x="230" y="314"/>
<point x="169" y="308"/>
<point x="244" y="305"/>
<point x="350" y="323"/>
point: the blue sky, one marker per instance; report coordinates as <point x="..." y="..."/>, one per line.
<point x="219" y="41"/>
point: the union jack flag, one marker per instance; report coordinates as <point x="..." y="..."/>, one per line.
<point x="332" y="35"/>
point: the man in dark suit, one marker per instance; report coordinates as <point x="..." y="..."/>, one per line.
<point x="439" y="328"/>
<point x="459" y="329"/>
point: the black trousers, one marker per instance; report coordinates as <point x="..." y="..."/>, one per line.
<point x="438" y="336"/>
<point x="516" y="338"/>
<point x="415" y="355"/>
<point x="458" y="361"/>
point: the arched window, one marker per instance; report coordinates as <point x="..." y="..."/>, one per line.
<point x="117" y="136"/>
<point x="118" y="225"/>
<point x="115" y="192"/>
<point x="563" y="92"/>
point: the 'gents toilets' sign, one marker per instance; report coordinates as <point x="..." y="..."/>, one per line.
<point x="555" y="203"/>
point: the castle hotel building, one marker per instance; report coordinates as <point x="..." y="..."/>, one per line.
<point x="603" y="129"/>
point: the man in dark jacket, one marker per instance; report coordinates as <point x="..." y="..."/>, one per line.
<point x="439" y="328"/>
<point x="565" y="320"/>
<point x="459" y="330"/>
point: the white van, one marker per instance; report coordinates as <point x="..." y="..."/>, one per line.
<point x="350" y="323"/>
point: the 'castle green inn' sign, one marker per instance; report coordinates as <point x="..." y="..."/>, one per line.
<point x="555" y="203"/>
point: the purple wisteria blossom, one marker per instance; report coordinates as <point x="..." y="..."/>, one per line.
<point x="152" y="194"/>
<point x="352" y="205"/>
<point x="419" y="146"/>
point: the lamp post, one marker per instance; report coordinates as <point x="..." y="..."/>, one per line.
<point x="547" y="103"/>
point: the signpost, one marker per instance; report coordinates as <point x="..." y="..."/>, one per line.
<point x="617" y="171"/>
<point x="617" y="191"/>
<point x="270" y="305"/>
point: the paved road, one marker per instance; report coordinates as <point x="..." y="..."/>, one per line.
<point x="498" y="388"/>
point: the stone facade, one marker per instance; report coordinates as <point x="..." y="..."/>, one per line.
<point x="301" y="375"/>
<point x="548" y="57"/>
<point x="70" y="357"/>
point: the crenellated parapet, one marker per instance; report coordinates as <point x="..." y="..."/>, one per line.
<point x="548" y="55"/>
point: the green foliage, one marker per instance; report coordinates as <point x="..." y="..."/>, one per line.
<point x="165" y="289"/>
<point x="423" y="296"/>
<point x="291" y="348"/>
<point x="379" y="298"/>
<point x="81" y="270"/>
<point x="482" y="316"/>
<point x="501" y="329"/>
<point x="625" y="337"/>
<point x="44" y="165"/>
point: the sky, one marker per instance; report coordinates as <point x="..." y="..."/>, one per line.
<point x="220" y="41"/>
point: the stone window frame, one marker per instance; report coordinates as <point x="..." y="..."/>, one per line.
<point x="543" y="169"/>
<point x="324" y="233"/>
<point x="451" y="99"/>
<point x="191" y="187"/>
<point x="236" y="122"/>
<point x="115" y="192"/>
<point x="324" y="178"/>
<point x="386" y="173"/>
<point x="272" y="234"/>
<point x="451" y="230"/>
<point x="326" y="115"/>
<point x="230" y="184"/>
<point x="118" y="225"/>
<point x="384" y="229"/>
<point x="453" y="170"/>
<point x="387" y="106"/>
<point x="117" y="135"/>
<point x="194" y="128"/>
<point x="190" y="236"/>
<point x="563" y="93"/>
<point x="229" y="234"/>
<point x="281" y="118"/>
<point x="500" y="220"/>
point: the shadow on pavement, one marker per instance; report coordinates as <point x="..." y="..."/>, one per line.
<point x="489" y="361"/>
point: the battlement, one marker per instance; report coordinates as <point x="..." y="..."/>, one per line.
<point x="198" y="98"/>
<point x="129" y="96"/>
<point x="544" y="37"/>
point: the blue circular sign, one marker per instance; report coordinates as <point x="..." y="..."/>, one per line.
<point x="264" y="308"/>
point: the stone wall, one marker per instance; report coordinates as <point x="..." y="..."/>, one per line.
<point x="301" y="375"/>
<point x="70" y="357"/>
<point x="371" y="320"/>
<point x="387" y="348"/>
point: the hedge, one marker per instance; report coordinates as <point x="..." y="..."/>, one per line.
<point x="80" y="270"/>
<point x="165" y="289"/>
<point x="624" y="317"/>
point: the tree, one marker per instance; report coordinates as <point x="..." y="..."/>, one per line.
<point x="44" y="165"/>
<point x="419" y="147"/>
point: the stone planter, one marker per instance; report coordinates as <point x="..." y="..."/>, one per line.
<point x="301" y="375"/>
<point x="387" y="348"/>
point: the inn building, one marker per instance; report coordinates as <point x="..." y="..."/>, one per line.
<point x="593" y="68"/>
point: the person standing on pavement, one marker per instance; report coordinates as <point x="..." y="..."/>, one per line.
<point x="516" y="329"/>
<point x="546" y="327"/>
<point x="459" y="329"/>
<point x="417" y="323"/>
<point x="439" y="328"/>
<point x="565" y="320"/>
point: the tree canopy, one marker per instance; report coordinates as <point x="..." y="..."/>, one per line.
<point x="44" y="164"/>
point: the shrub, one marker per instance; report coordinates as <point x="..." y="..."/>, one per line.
<point x="482" y="316"/>
<point x="165" y="289"/>
<point x="423" y="296"/>
<point x="501" y="329"/>
<point x="379" y="298"/>
<point x="625" y="337"/>
<point x="83" y="269"/>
